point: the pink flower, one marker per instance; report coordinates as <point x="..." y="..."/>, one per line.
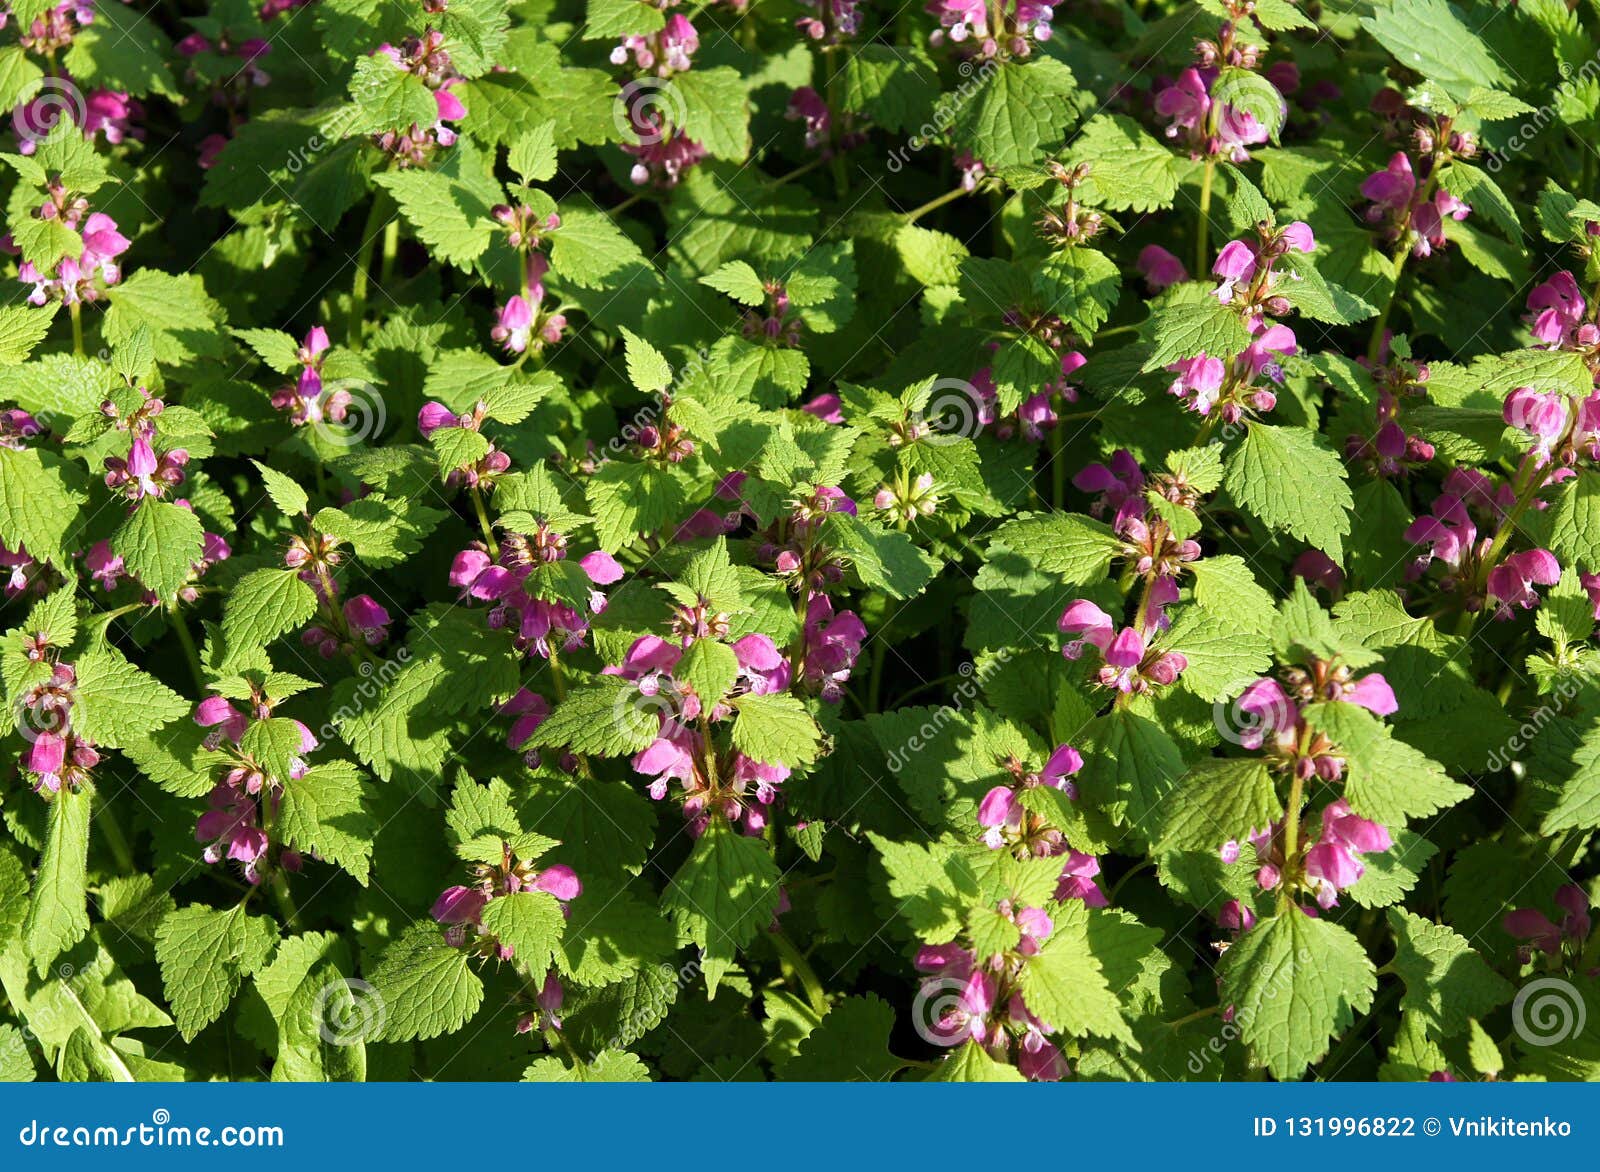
<point x="1334" y="863"/>
<point x="1199" y="382"/>
<point x="806" y="105"/>
<point x="367" y="620"/>
<point x="1319" y="569"/>
<point x="1160" y="268"/>
<point x="515" y="325"/>
<point x="1543" y="415"/>
<point x="1392" y="188"/>
<point x="1120" y="485"/>
<point x="1093" y="625"/>
<point x="1184" y="103"/>
<point x="530" y="709"/>
<point x="1511" y="582"/>
<point x="1556" y="310"/>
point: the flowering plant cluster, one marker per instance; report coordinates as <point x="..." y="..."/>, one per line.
<point x="625" y="540"/>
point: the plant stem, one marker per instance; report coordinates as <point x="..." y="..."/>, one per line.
<point x="802" y="169"/>
<point x="483" y="523"/>
<point x="186" y="641"/>
<point x="795" y="962"/>
<point x="1202" y="242"/>
<point x="280" y="892"/>
<point x="76" y="311"/>
<point x="391" y="250"/>
<point x="916" y="214"/>
<point x="1291" y="836"/>
<point x="358" y="289"/>
<point x="1375" y="345"/>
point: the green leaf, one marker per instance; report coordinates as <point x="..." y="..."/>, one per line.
<point x="1075" y="548"/>
<point x="290" y="498"/>
<point x="589" y="247"/>
<point x="723" y="895"/>
<point x="205" y="954"/>
<point x="709" y="669"/>
<point x="1294" y="983"/>
<point x="428" y="988"/>
<point x="389" y="97"/>
<point x="184" y="322"/>
<point x="712" y="109"/>
<point x="628" y="499"/>
<point x="1447" y="983"/>
<point x="884" y="559"/>
<point x="1577" y="803"/>
<point x="1016" y="115"/>
<point x="1218" y="801"/>
<point x="1186" y="329"/>
<point x="1082" y="285"/>
<point x="1130" y="170"/>
<point x="117" y="703"/>
<point x="22" y="327"/>
<point x="647" y="369"/>
<point x="265" y="604"/>
<point x="159" y="543"/>
<point x="850" y="1044"/>
<point x="1429" y="37"/>
<point x="607" y="717"/>
<point x="529" y="923"/>
<point x="321" y="811"/>
<point x="40" y="498"/>
<point x="1473" y="186"/>
<point x="1065" y="986"/>
<point x="1574" y="521"/>
<point x="58" y="914"/>
<point x="739" y="281"/>
<point x="1386" y="780"/>
<point x="1291" y="480"/>
<point x="449" y="209"/>
<point x="533" y="154"/>
<point x="775" y="729"/>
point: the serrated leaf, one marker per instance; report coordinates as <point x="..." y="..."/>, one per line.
<point x="205" y="954"/>
<point x="1295" y="982"/>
